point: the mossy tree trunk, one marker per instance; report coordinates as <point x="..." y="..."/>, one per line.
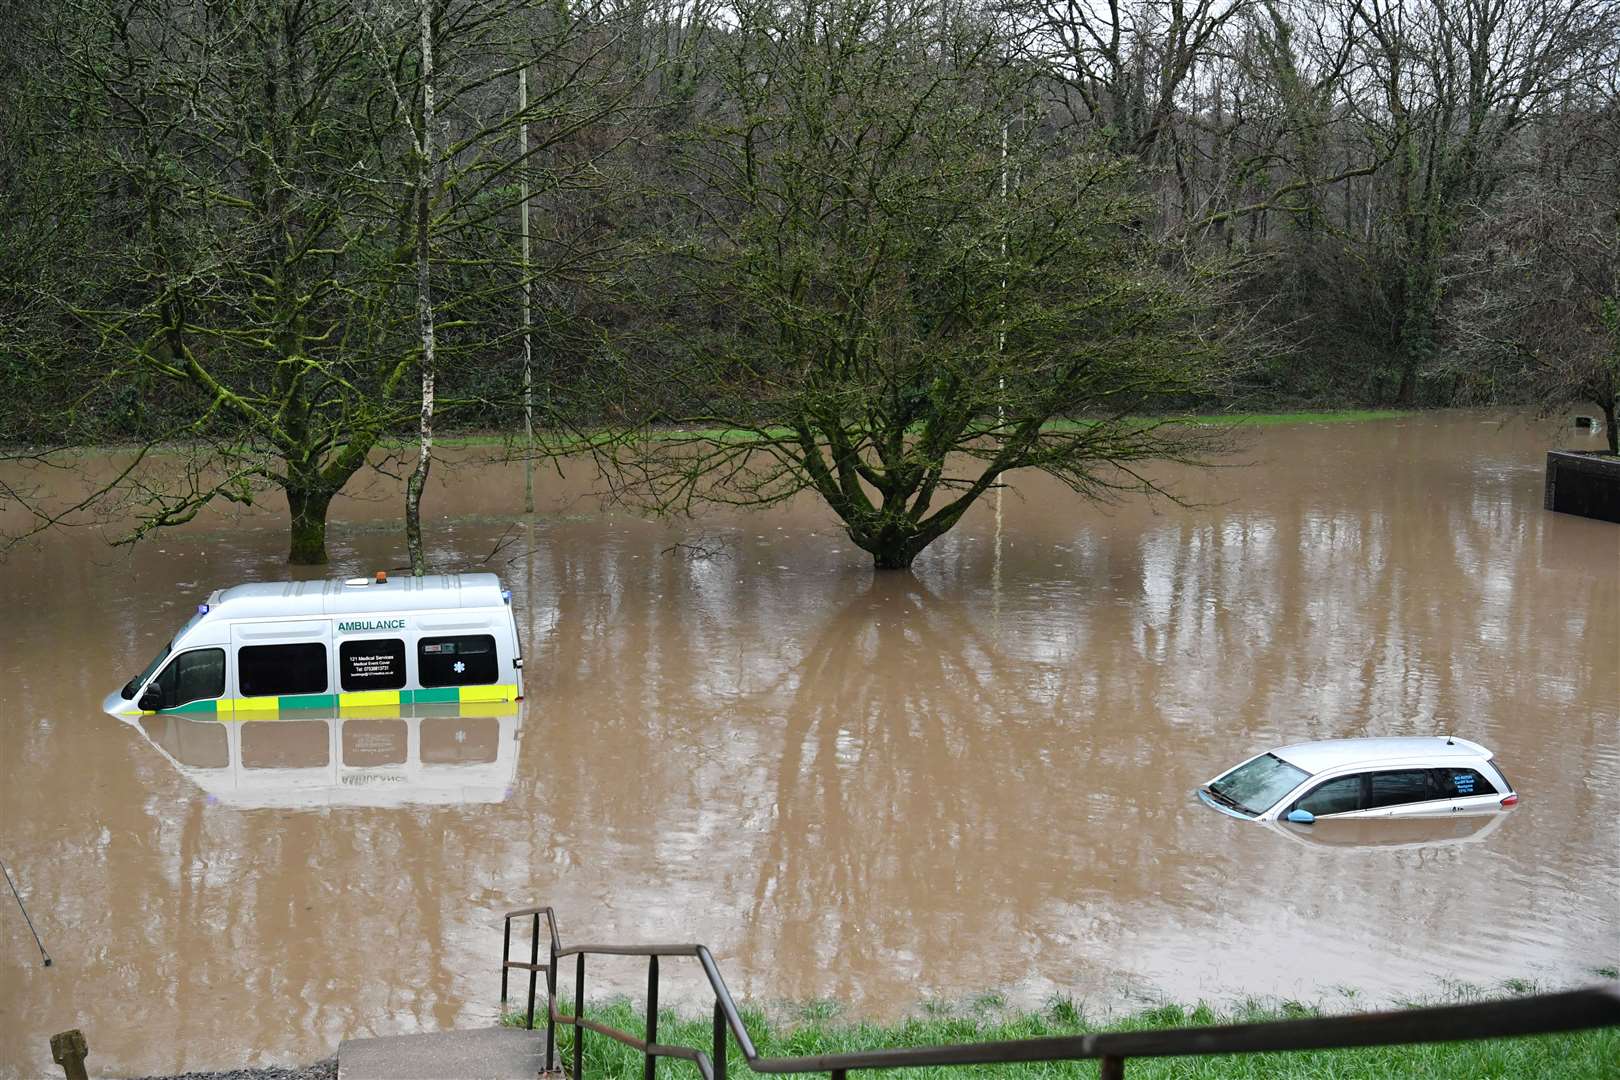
<point x="308" y="510"/>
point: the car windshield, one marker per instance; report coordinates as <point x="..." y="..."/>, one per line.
<point x="1255" y="786"/>
<point x="135" y="684"/>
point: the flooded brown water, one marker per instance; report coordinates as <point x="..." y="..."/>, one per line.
<point x="875" y="789"/>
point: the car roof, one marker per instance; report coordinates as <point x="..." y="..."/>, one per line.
<point x="290" y="599"/>
<point x="1315" y="757"/>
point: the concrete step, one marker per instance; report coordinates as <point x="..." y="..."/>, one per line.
<point x="495" y="1053"/>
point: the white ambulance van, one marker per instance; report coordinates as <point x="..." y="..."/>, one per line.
<point x="258" y="650"/>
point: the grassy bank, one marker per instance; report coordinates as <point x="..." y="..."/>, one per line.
<point x="1588" y="1055"/>
<point x="1334" y="416"/>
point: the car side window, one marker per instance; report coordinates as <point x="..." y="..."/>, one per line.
<point x="1463" y="783"/>
<point x="193" y="676"/>
<point x="1396" y="788"/>
<point x="1341" y="796"/>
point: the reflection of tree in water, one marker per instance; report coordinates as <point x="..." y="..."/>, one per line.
<point x="914" y="790"/>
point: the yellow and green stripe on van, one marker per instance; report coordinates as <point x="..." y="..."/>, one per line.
<point x="248" y="708"/>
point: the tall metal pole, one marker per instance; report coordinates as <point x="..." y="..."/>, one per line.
<point x="1001" y="334"/>
<point x="528" y="348"/>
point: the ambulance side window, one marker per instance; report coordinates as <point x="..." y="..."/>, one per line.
<point x="273" y="670"/>
<point x="468" y="660"/>
<point x="377" y="664"/>
<point x="193" y="676"/>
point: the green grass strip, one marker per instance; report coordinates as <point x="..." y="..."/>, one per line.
<point x="1586" y="1055"/>
<point x="741" y="435"/>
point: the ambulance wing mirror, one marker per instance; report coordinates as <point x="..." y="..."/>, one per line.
<point x="151" y="699"/>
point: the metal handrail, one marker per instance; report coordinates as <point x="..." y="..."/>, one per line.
<point x="1540" y="1014"/>
<point x="534" y="966"/>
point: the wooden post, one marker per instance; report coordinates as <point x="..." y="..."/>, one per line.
<point x="68" y="1049"/>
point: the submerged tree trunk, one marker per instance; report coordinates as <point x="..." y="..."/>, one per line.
<point x="308" y="509"/>
<point x="893" y="545"/>
<point x="1608" y="408"/>
<point x="424" y="303"/>
<point x="896" y="544"/>
<point x="897" y="556"/>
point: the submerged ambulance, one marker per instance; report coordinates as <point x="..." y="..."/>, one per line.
<point x="256" y="650"/>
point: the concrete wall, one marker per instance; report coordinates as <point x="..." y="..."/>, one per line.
<point x="1583" y="482"/>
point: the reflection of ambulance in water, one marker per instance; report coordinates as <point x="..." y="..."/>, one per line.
<point x="257" y="651"/>
<point x="367" y="756"/>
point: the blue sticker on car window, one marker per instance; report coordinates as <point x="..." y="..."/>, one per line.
<point x="1464" y="782"/>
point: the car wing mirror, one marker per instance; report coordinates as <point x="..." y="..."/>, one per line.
<point x="151" y="700"/>
<point x="1302" y="817"/>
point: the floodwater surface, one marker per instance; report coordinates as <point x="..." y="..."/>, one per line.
<point x="879" y="789"/>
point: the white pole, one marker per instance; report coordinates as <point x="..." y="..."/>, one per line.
<point x="523" y="231"/>
<point x="1001" y="334"/>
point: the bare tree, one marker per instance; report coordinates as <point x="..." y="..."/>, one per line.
<point x="1127" y="65"/>
<point x="867" y="309"/>
<point x="1536" y="284"/>
<point x="1455" y="81"/>
<point x="231" y="263"/>
<point x="475" y="162"/>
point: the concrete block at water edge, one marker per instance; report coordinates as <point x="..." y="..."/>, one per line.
<point x="495" y="1053"/>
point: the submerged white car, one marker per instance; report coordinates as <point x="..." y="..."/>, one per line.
<point x="1362" y="778"/>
